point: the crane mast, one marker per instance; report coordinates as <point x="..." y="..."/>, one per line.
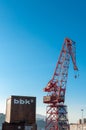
<point x="56" y="111"/>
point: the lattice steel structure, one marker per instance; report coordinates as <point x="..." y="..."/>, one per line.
<point x="56" y="111"/>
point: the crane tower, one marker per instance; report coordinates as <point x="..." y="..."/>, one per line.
<point x="56" y="111"/>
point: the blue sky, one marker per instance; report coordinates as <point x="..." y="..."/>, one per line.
<point x="31" y="36"/>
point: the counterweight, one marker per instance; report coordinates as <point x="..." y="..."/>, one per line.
<point x="56" y="111"/>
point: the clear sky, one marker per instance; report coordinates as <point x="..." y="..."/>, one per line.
<point x="31" y="36"/>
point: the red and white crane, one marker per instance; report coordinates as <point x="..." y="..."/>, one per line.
<point x="56" y="111"/>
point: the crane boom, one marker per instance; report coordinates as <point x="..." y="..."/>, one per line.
<point x="57" y="85"/>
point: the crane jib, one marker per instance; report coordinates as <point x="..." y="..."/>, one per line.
<point x="56" y="87"/>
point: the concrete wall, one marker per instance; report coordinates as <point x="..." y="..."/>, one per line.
<point x="77" y="127"/>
